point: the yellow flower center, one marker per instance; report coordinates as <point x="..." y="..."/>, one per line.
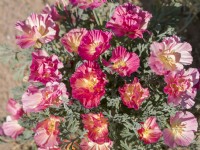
<point x="177" y="129"/>
<point x="169" y="59"/>
<point x="51" y="125"/>
<point x="93" y="47"/>
<point x="87" y="83"/>
<point x="119" y="64"/>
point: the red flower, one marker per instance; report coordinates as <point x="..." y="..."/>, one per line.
<point x="88" y="84"/>
<point x="133" y="94"/>
<point x="150" y="131"/>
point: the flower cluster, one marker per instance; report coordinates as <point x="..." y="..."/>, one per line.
<point x="85" y="70"/>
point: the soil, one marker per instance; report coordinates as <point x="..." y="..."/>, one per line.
<point x="14" y="10"/>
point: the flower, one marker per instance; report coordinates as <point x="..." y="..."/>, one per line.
<point x="72" y="39"/>
<point x="87" y="144"/>
<point x="52" y="11"/>
<point x="84" y="4"/>
<point x="88" y="84"/>
<point x="12" y="128"/>
<point x="45" y="68"/>
<point x="32" y="100"/>
<point x="54" y="92"/>
<point x="181" y="133"/>
<point x="180" y="87"/>
<point x="150" y="131"/>
<point x="123" y="62"/>
<point x="35" y="100"/>
<point x="133" y="94"/>
<point x="93" y="44"/>
<point x="47" y="133"/>
<point x="169" y="55"/>
<point x="129" y="20"/>
<point x="97" y="126"/>
<point x="37" y="30"/>
<point x="14" y="108"/>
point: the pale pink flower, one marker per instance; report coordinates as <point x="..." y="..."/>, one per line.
<point x="52" y="11"/>
<point x="123" y="62"/>
<point x="84" y="4"/>
<point x="93" y="44"/>
<point x="37" y="30"/>
<point x="169" y="55"/>
<point x="129" y="20"/>
<point x="45" y="68"/>
<point x="32" y="100"/>
<point x="181" y="133"/>
<point x="54" y="92"/>
<point x="180" y="87"/>
<point x="87" y="144"/>
<point x="72" y="39"/>
<point x="47" y="133"/>
<point x="133" y="94"/>
<point x="35" y="100"/>
<point x="150" y="131"/>
<point x="12" y="128"/>
<point x="14" y="108"/>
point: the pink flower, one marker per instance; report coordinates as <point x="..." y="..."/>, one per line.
<point x="181" y="133"/>
<point x="150" y="131"/>
<point x="197" y="86"/>
<point x="97" y="126"/>
<point x="47" y="133"/>
<point x="93" y="44"/>
<point x="123" y="62"/>
<point x="87" y="144"/>
<point x="52" y="11"/>
<point x="35" y="100"/>
<point x="54" y="92"/>
<point x="133" y="94"/>
<point x="32" y="100"/>
<point x="37" y="30"/>
<point x="84" y="4"/>
<point x="169" y="55"/>
<point x="180" y="87"/>
<point x="72" y="39"/>
<point x="14" y="108"/>
<point x="45" y="68"/>
<point x="88" y="84"/>
<point x="12" y="128"/>
<point x="129" y="20"/>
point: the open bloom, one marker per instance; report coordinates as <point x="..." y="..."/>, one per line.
<point x="97" y="126"/>
<point x="88" y="84"/>
<point x="14" y="108"/>
<point x="133" y="94"/>
<point x="123" y="62"/>
<point x="84" y="4"/>
<point x="45" y="68"/>
<point x="87" y="144"/>
<point x="129" y="20"/>
<point x="180" y="87"/>
<point x="12" y="128"/>
<point x="72" y="39"/>
<point x="169" y="55"/>
<point x="181" y="133"/>
<point x="150" y="131"/>
<point x="93" y="44"/>
<point x="35" y="100"/>
<point x="37" y="30"/>
<point x="47" y="133"/>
